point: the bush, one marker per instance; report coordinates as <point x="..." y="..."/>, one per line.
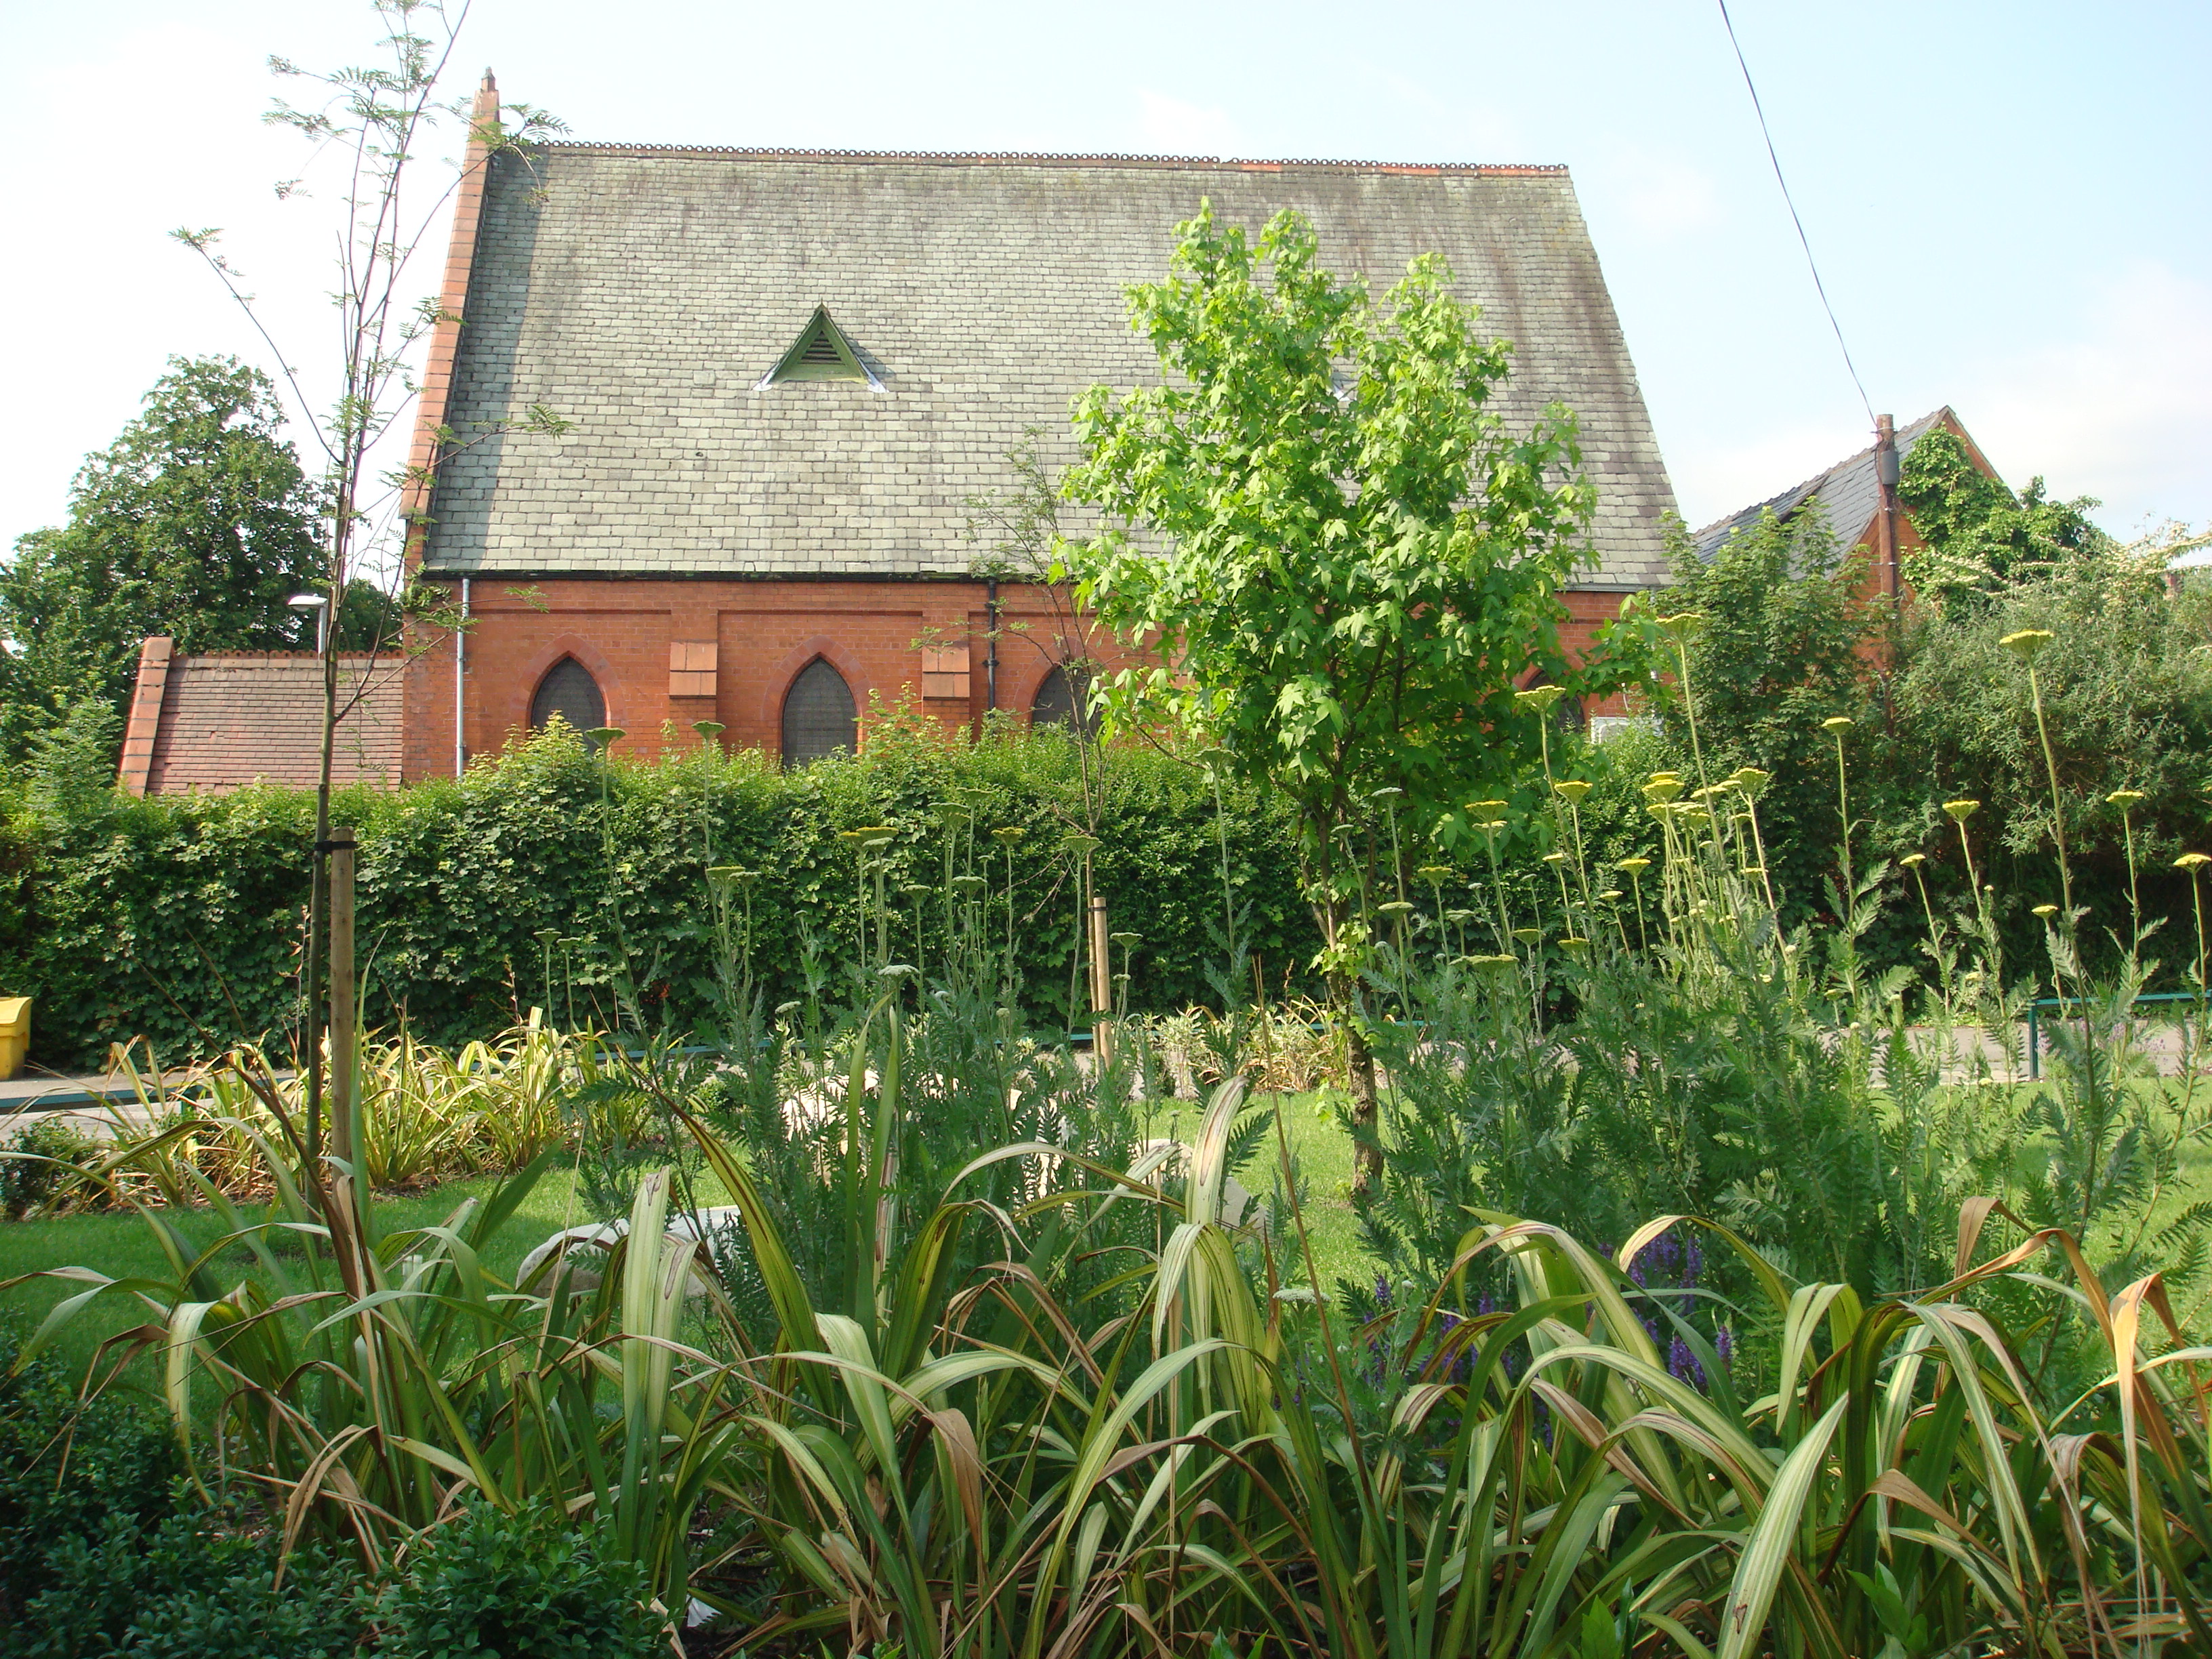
<point x="103" y="1550"/>
<point x="1939" y="710"/>
<point x="40" y="1165"/>
<point x="192" y="1587"/>
<point x="180" y="918"/>
<point x="69" y="1471"/>
<point x="515" y="1585"/>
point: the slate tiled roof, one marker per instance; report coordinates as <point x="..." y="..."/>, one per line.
<point x="229" y="719"/>
<point x="1849" y="493"/>
<point x="643" y="293"/>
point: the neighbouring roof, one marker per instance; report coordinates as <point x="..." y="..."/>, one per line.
<point x="643" y="294"/>
<point x="1849" y="493"/>
<point x="214" y="723"/>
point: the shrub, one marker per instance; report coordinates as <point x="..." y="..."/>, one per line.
<point x="68" y="1472"/>
<point x="40" y="1165"/>
<point x="192" y="1587"/>
<point x="508" y="1586"/>
<point x="179" y="918"/>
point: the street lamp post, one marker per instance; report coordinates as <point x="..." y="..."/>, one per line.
<point x="320" y="606"/>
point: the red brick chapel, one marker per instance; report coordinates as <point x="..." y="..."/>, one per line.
<point x="784" y="375"/>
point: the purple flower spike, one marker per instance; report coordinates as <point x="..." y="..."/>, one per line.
<point x="1693" y="1261"/>
<point x="1681" y="1362"/>
<point x="1724" y="1345"/>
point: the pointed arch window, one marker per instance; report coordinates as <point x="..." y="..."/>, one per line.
<point x="1063" y="700"/>
<point x="818" y="716"/>
<point x="569" y="691"/>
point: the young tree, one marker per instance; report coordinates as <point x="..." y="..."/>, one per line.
<point x="371" y="125"/>
<point x="196" y="522"/>
<point x="1344" y="562"/>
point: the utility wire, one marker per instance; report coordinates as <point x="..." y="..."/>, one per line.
<point x="1811" y="263"/>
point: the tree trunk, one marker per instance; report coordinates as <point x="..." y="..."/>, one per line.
<point x="1359" y="1059"/>
<point x="1360" y="1065"/>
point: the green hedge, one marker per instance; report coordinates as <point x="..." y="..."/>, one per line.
<point x="181" y="918"/>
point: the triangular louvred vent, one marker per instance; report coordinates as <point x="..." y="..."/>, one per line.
<point x="822" y="352"/>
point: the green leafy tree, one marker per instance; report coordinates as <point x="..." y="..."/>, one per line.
<point x="198" y="522"/>
<point x="1978" y="535"/>
<point x="1345" y="561"/>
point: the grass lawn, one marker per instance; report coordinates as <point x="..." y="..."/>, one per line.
<point x="120" y="1244"/>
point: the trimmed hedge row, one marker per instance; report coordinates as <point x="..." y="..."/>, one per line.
<point x="181" y="918"/>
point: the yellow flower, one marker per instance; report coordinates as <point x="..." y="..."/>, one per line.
<point x="872" y="834"/>
<point x="1573" y="944"/>
<point x="1610" y="893"/>
<point x="2026" y="643"/>
<point x="1539" y="697"/>
<point x="1962" y="810"/>
<point x="1913" y="861"/>
<point x="1572" y="789"/>
<point x="1555" y="858"/>
<point x="1662" y="788"/>
<point x="1433" y="872"/>
<point x="1683" y="624"/>
<point x="1079" y="844"/>
<point x="1489" y="809"/>
<point x="2123" y="799"/>
<point x="1008" y="833"/>
<point x="1528" y="935"/>
<point x="1837" y="723"/>
<point x="2193" y="861"/>
<point x="1396" y="907"/>
<point x="2046" y="911"/>
<point x="1747" y="779"/>
<point x="1634" y="866"/>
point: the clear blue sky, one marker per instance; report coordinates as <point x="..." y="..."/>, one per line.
<point x="2009" y="202"/>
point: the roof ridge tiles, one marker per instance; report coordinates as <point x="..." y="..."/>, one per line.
<point x="1044" y="158"/>
<point x="284" y="656"/>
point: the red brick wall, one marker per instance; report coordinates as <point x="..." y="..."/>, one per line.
<point x="874" y="634"/>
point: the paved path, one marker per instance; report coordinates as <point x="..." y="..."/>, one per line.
<point x="46" y="1094"/>
<point x="101" y="1106"/>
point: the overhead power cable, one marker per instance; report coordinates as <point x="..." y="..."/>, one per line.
<point x="1811" y="263"/>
